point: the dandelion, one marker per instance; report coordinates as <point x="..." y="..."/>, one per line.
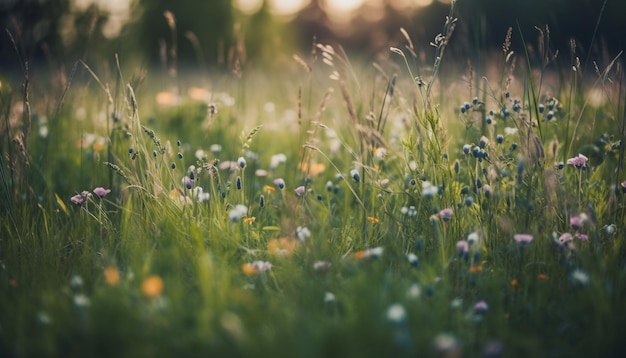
<point x="280" y="183"/>
<point x="579" y="162"/>
<point x="300" y="191"/>
<point x="396" y="313"/>
<point x="446" y="214"/>
<point x="523" y="238"/>
<point x="111" y="275"/>
<point x="152" y="286"/>
<point x="101" y="192"/>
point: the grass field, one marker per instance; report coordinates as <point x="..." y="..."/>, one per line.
<point x="329" y="208"/>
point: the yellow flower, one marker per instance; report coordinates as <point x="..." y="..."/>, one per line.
<point x="314" y="169"/>
<point x="373" y="220"/>
<point x="476" y="269"/>
<point x="111" y="275"/>
<point x="269" y="188"/>
<point x="152" y="286"/>
<point x="249" y="269"/>
<point x="542" y="277"/>
<point x="249" y="220"/>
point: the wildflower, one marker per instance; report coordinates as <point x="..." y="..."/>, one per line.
<point x="76" y="281"/>
<point x="414" y="291"/>
<point x="446" y="214"/>
<point x="514" y="283"/>
<point x="262" y="201"/>
<point x="542" y="277"/>
<point x="280" y="183"/>
<point x="269" y="188"/>
<point x="623" y="185"/>
<point x="249" y="220"/>
<point x="483" y="142"/>
<point x="187" y="182"/>
<point x="565" y="238"/>
<point x="152" y="286"/>
<point x="260" y="172"/>
<point x="480" y="307"/>
<point x="277" y="159"/>
<point x="447" y="345"/>
<point x="215" y="148"/>
<point x="576" y="222"/>
<point x="561" y="165"/>
<point x="199" y="194"/>
<point x="313" y="169"/>
<point x="79" y="199"/>
<point x="81" y="300"/>
<point x="355" y="175"/>
<point x="467" y="148"/>
<point x="303" y="233"/>
<point x="373" y="220"/>
<point x="413" y="260"/>
<point x="238" y="183"/>
<point x="473" y="238"/>
<point x="256" y="267"/>
<point x="610" y="229"/>
<point x="300" y="191"/>
<point x="462" y="248"/>
<point x="579" y="277"/>
<point x="429" y="190"/>
<point x="499" y="138"/>
<point x="375" y="253"/>
<point x="396" y="313"/>
<point x="579" y="162"/>
<point x="550" y="115"/>
<point x="542" y="107"/>
<point x="281" y="247"/>
<point x="101" y="192"/>
<point x="241" y="162"/>
<point x="329" y="297"/>
<point x="111" y="275"/>
<point x="510" y="130"/>
<point x="523" y="238"/>
<point x="582" y="237"/>
<point x="321" y="266"/>
<point x="476" y="269"/>
<point x="237" y="212"/>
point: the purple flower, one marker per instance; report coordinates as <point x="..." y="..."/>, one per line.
<point x="523" y="238"/>
<point x="300" y="191"/>
<point x="565" y="238"/>
<point x="579" y="162"/>
<point x="79" y="199"/>
<point x="582" y="237"/>
<point x="101" y="192"/>
<point x="280" y="183"/>
<point x="446" y="214"/>
<point x="576" y="222"/>
<point x="187" y="182"/>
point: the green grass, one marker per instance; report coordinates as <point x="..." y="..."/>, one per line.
<point x="334" y="124"/>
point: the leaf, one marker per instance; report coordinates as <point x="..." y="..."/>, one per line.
<point x="61" y="204"/>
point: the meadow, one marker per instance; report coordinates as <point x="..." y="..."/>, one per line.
<point x="330" y="207"/>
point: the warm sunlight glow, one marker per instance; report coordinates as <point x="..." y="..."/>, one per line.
<point x="287" y="7"/>
<point x="342" y="6"/>
<point x="248" y="6"/>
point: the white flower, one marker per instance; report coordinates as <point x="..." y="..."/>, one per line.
<point x="277" y="159"/>
<point x="510" y="130"/>
<point x="329" y="297"/>
<point x="215" y="148"/>
<point x="241" y="162"/>
<point x="413" y="260"/>
<point x="321" y="265"/>
<point x="429" y="190"/>
<point x="237" y="212"/>
<point x="76" y="281"/>
<point x="262" y="266"/>
<point x="473" y="238"/>
<point x="302" y="233"/>
<point x="414" y="292"/>
<point x="200" y="154"/>
<point x="80" y="300"/>
<point x="198" y="194"/>
<point x="580" y="277"/>
<point x="396" y="313"/>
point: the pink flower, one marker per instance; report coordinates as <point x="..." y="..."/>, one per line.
<point x="446" y="214"/>
<point x="565" y="238"/>
<point x="582" y="237"/>
<point x="300" y="191"/>
<point x="79" y="199"/>
<point x="280" y="183"/>
<point x="576" y="222"/>
<point x="101" y="192"/>
<point x="523" y="238"/>
<point x="481" y="307"/>
<point x="462" y="247"/>
<point x="579" y="162"/>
